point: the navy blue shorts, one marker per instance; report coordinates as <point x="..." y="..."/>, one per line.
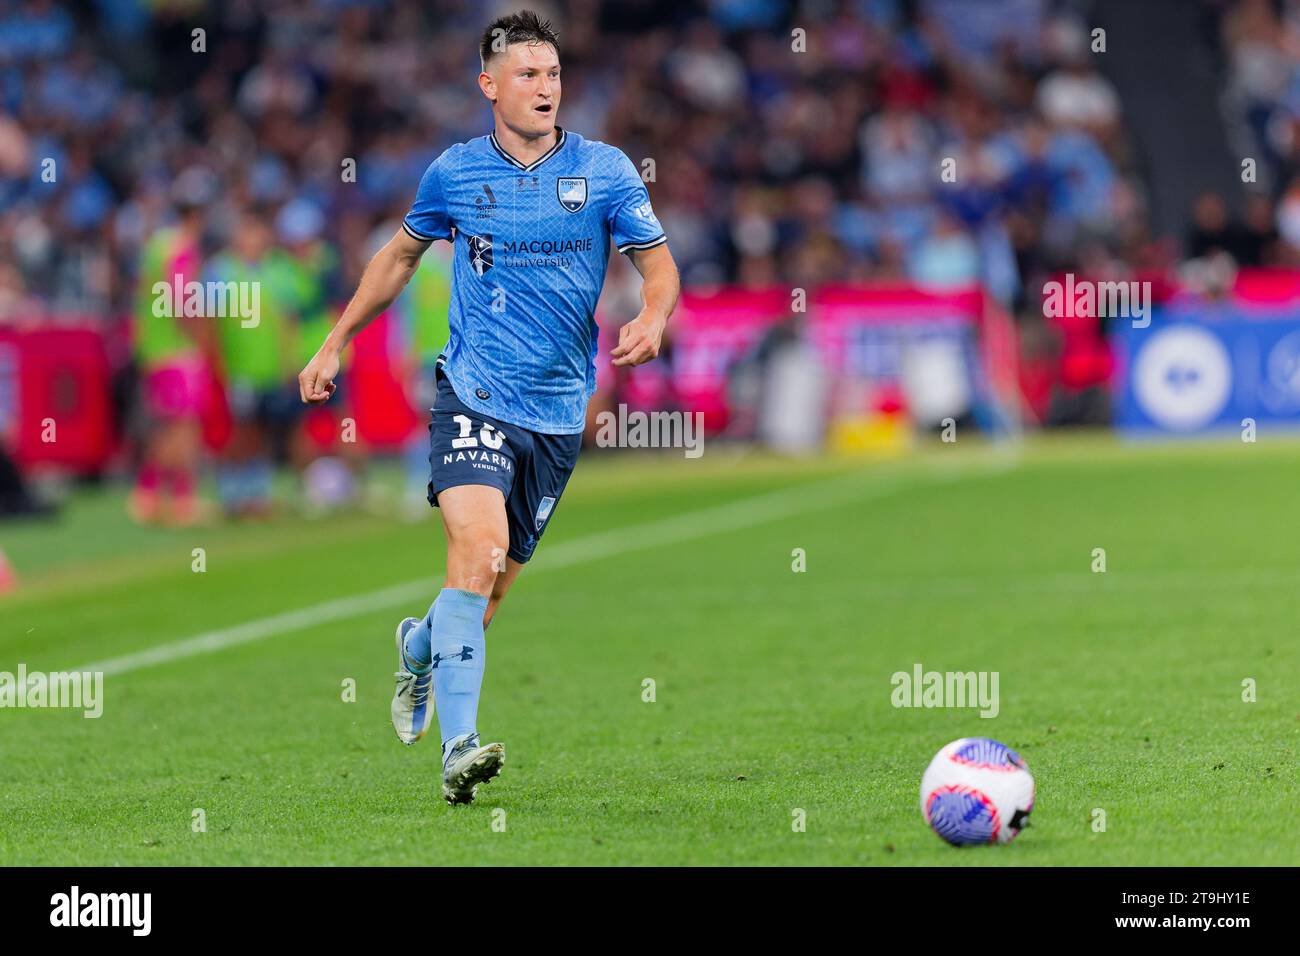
<point x="531" y="469"/>
<point x="276" y="407"/>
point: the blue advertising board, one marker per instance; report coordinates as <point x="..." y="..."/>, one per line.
<point x="1199" y="371"/>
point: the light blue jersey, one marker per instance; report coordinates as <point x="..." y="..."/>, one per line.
<point x="531" y="250"/>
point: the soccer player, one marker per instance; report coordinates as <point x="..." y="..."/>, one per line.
<point x="531" y="209"/>
<point x="258" y="356"/>
<point x="170" y="350"/>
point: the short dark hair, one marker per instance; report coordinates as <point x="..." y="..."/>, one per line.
<point x="522" y="27"/>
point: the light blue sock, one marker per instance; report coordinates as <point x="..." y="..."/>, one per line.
<point x="416" y="648"/>
<point x="459" y="648"/>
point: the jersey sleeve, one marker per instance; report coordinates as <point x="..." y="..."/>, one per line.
<point x="632" y="222"/>
<point x="428" y="218"/>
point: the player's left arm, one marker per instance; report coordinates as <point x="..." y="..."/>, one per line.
<point x="640" y="339"/>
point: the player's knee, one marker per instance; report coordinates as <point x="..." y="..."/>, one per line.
<point x="478" y="557"/>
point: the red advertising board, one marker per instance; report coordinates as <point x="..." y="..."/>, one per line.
<point x="55" y="396"/>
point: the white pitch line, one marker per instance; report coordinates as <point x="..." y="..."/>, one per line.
<point x="732" y="516"/>
<point x="213" y="641"/>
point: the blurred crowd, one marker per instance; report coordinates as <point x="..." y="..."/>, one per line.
<point x="798" y="144"/>
<point x="796" y="159"/>
<point x="1260" y="46"/>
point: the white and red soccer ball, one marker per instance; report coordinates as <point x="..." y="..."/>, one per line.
<point x="977" y="790"/>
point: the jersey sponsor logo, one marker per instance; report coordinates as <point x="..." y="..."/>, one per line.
<point x="477" y="458"/>
<point x="546" y="247"/>
<point x="544" y="253"/>
<point x="572" y="192"/>
<point x="543" y="511"/>
<point x="479" y="249"/>
<point x="483" y="394"/>
<point x="485" y="203"/>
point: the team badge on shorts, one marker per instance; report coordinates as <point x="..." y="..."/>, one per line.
<point x="544" y="511"/>
<point x="572" y="192"/>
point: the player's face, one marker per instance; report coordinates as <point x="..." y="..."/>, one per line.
<point x="527" y="81"/>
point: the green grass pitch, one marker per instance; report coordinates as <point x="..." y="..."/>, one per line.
<point x="1123" y="690"/>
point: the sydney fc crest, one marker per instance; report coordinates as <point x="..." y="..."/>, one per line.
<point x="572" y="192"/>
<point x="543" y="511"/>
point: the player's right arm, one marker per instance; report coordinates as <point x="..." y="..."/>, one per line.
<point x="382" y="282"/>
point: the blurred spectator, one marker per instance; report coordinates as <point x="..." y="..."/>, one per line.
<point x="1249" y="242"/>
<point x="947" y="258"/>
<point x="1259" y="241"/>
<point x="1288" y="221"/>
<point x="1076" y="95"/>
<point x="1211" y="230"/>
